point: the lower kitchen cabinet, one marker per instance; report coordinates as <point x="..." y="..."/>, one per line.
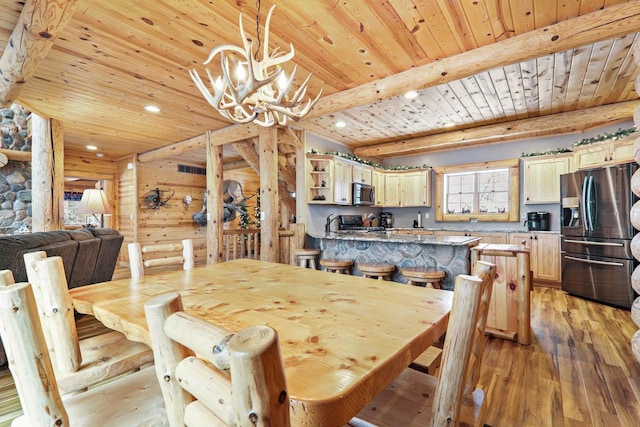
<point x="545" y="254"/>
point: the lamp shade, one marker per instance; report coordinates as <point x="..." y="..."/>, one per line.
<point x="93" y="202"/>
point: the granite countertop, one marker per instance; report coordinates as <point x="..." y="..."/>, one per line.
<point x="475" y="231"/>
<point x="402" y="238"/>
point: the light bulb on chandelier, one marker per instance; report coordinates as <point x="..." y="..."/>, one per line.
<point x="260" y="89"/>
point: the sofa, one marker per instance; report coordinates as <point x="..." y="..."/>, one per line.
<point x="89" y="255"/>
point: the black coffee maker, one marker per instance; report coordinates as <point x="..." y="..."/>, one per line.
<point x="386" y="219"/>
<point x="537" y="221"/>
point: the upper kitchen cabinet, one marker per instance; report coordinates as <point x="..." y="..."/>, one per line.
<point x="320" y="179"/>
<point x="329" y="180"/>
<point x="605" y="153"/>
<point x="362" y="174"/>
<point x="416" y="188"/>
<point x="343" y="175"/>
<point x="542" y="177"/>
<point x="377" y="179"/>
<point x="392" y="190"/>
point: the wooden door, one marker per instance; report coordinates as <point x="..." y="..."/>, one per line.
<point x="377" y="178"/>
<point x="342" y="183"/>
<point x="392" y="189"/>
<point x="503" y="308"/>
<point x="542" y="179"/>
<point x="414" y="189"/>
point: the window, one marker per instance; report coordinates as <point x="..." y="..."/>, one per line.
<point x="483" y="191"/>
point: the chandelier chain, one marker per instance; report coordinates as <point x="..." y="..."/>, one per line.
<point x="258" y="29"/>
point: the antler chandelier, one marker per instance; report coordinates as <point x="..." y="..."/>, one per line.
<point x="259" y="90"/>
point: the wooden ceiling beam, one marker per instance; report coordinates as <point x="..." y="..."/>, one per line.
<point x="604" y="24"/>
<point x="37" y="28"/>
<point x="220" y="137"/>
<point x="569" y="122"/>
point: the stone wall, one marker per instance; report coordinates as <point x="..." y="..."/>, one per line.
<point x="15" y="197"/>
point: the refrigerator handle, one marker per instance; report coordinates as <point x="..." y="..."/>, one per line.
<point x="592" y="208"/>
<point x="583" y="205"/>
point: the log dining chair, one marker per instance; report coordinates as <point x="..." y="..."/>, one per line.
<point x="454" y="398"/>
<point x="78" y="364"/>
<point x="198" y="390"/>
<point x="130" y="400"/>
<point x="145" y="256"/>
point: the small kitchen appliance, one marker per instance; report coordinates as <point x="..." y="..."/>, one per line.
<point x="363" y="194"/>
<point x="537" y="221"/>
<point x="386" y="219"/>
<point x="354" y="223"/>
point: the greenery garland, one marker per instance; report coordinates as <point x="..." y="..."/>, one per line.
<point x="599" y="138"/>
<point x="368" y="162"/>
<point x="620" y="133"/>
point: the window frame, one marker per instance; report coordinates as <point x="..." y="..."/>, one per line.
<point x="513" y="211"/>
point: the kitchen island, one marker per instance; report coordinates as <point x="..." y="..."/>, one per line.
<point x="450" y="254"/>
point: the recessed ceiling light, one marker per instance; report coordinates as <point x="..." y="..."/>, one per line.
<point x="152" y="108"/>
<point x="412" y="94"/>
<point x="449" y="125"/>
<point x="340" y="124"/>
<point x="99" y="155"/>
<point x="92" y="147"/>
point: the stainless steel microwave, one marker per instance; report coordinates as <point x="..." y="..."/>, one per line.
<point x="363" y="194"/>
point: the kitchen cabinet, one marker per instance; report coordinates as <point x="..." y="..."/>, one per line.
<point x="416" y="188"/>
<point x="377" y="179"/>
<point x="544" y="254"/>
<point x="328" y="180"/>
<point x="319" y="179"/>
<point x="342" y="182"/>
<point x="392" y="196"/>
<point x="542" y="177"/>
<point x="362" y="173"/>
<point x="605" y="153"/>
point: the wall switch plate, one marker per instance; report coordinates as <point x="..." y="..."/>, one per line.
<point x="263" y="216"/>
<point x="426" y="215"/>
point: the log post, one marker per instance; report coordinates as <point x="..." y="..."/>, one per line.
<point x="28" y="357"/>
<point x="258" y="384"/>
<point x="635" y="214"/>
<point x="270" y="239"/>
<point x="215" y="225"/>
<point x="167" y="354"/>
<point x="47" y="174"/>
<point x="6" y="278"/>
<point x="56" y="313"/>
<point x="522" y="298"/>
<point x="187" y="254"/>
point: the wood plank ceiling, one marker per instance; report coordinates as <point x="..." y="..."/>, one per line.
<point x="116" y="56"/>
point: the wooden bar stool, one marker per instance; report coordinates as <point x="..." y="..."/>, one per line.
<point x="428" y="275"/>
<point x="340" y="266"/>
<point x="379" y="270"/>
<point x="307" y="257"/>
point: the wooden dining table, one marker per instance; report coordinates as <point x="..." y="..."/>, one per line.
<point x="342" y="338"/>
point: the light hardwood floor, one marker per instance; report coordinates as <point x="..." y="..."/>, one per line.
<point x="578" y="371"/>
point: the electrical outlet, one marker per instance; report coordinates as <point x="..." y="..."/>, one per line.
<point x="263" y="216"/>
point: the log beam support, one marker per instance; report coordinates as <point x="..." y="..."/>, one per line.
<point x="215" y="226"/>
<point x="39" y="25"/>
<point x="270" y="239"/>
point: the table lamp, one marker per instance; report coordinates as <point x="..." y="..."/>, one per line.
<point x="94" y="202"/>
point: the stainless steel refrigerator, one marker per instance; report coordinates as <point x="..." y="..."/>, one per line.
<point x="596" y="234"/>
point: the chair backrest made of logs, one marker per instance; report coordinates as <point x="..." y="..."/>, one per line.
<point x="464" y="342"/>
<point x="141" y="257"/>
<point x="197" y="390"/>
<point x="78" y="364"/>
<point x="132" y="400"/>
